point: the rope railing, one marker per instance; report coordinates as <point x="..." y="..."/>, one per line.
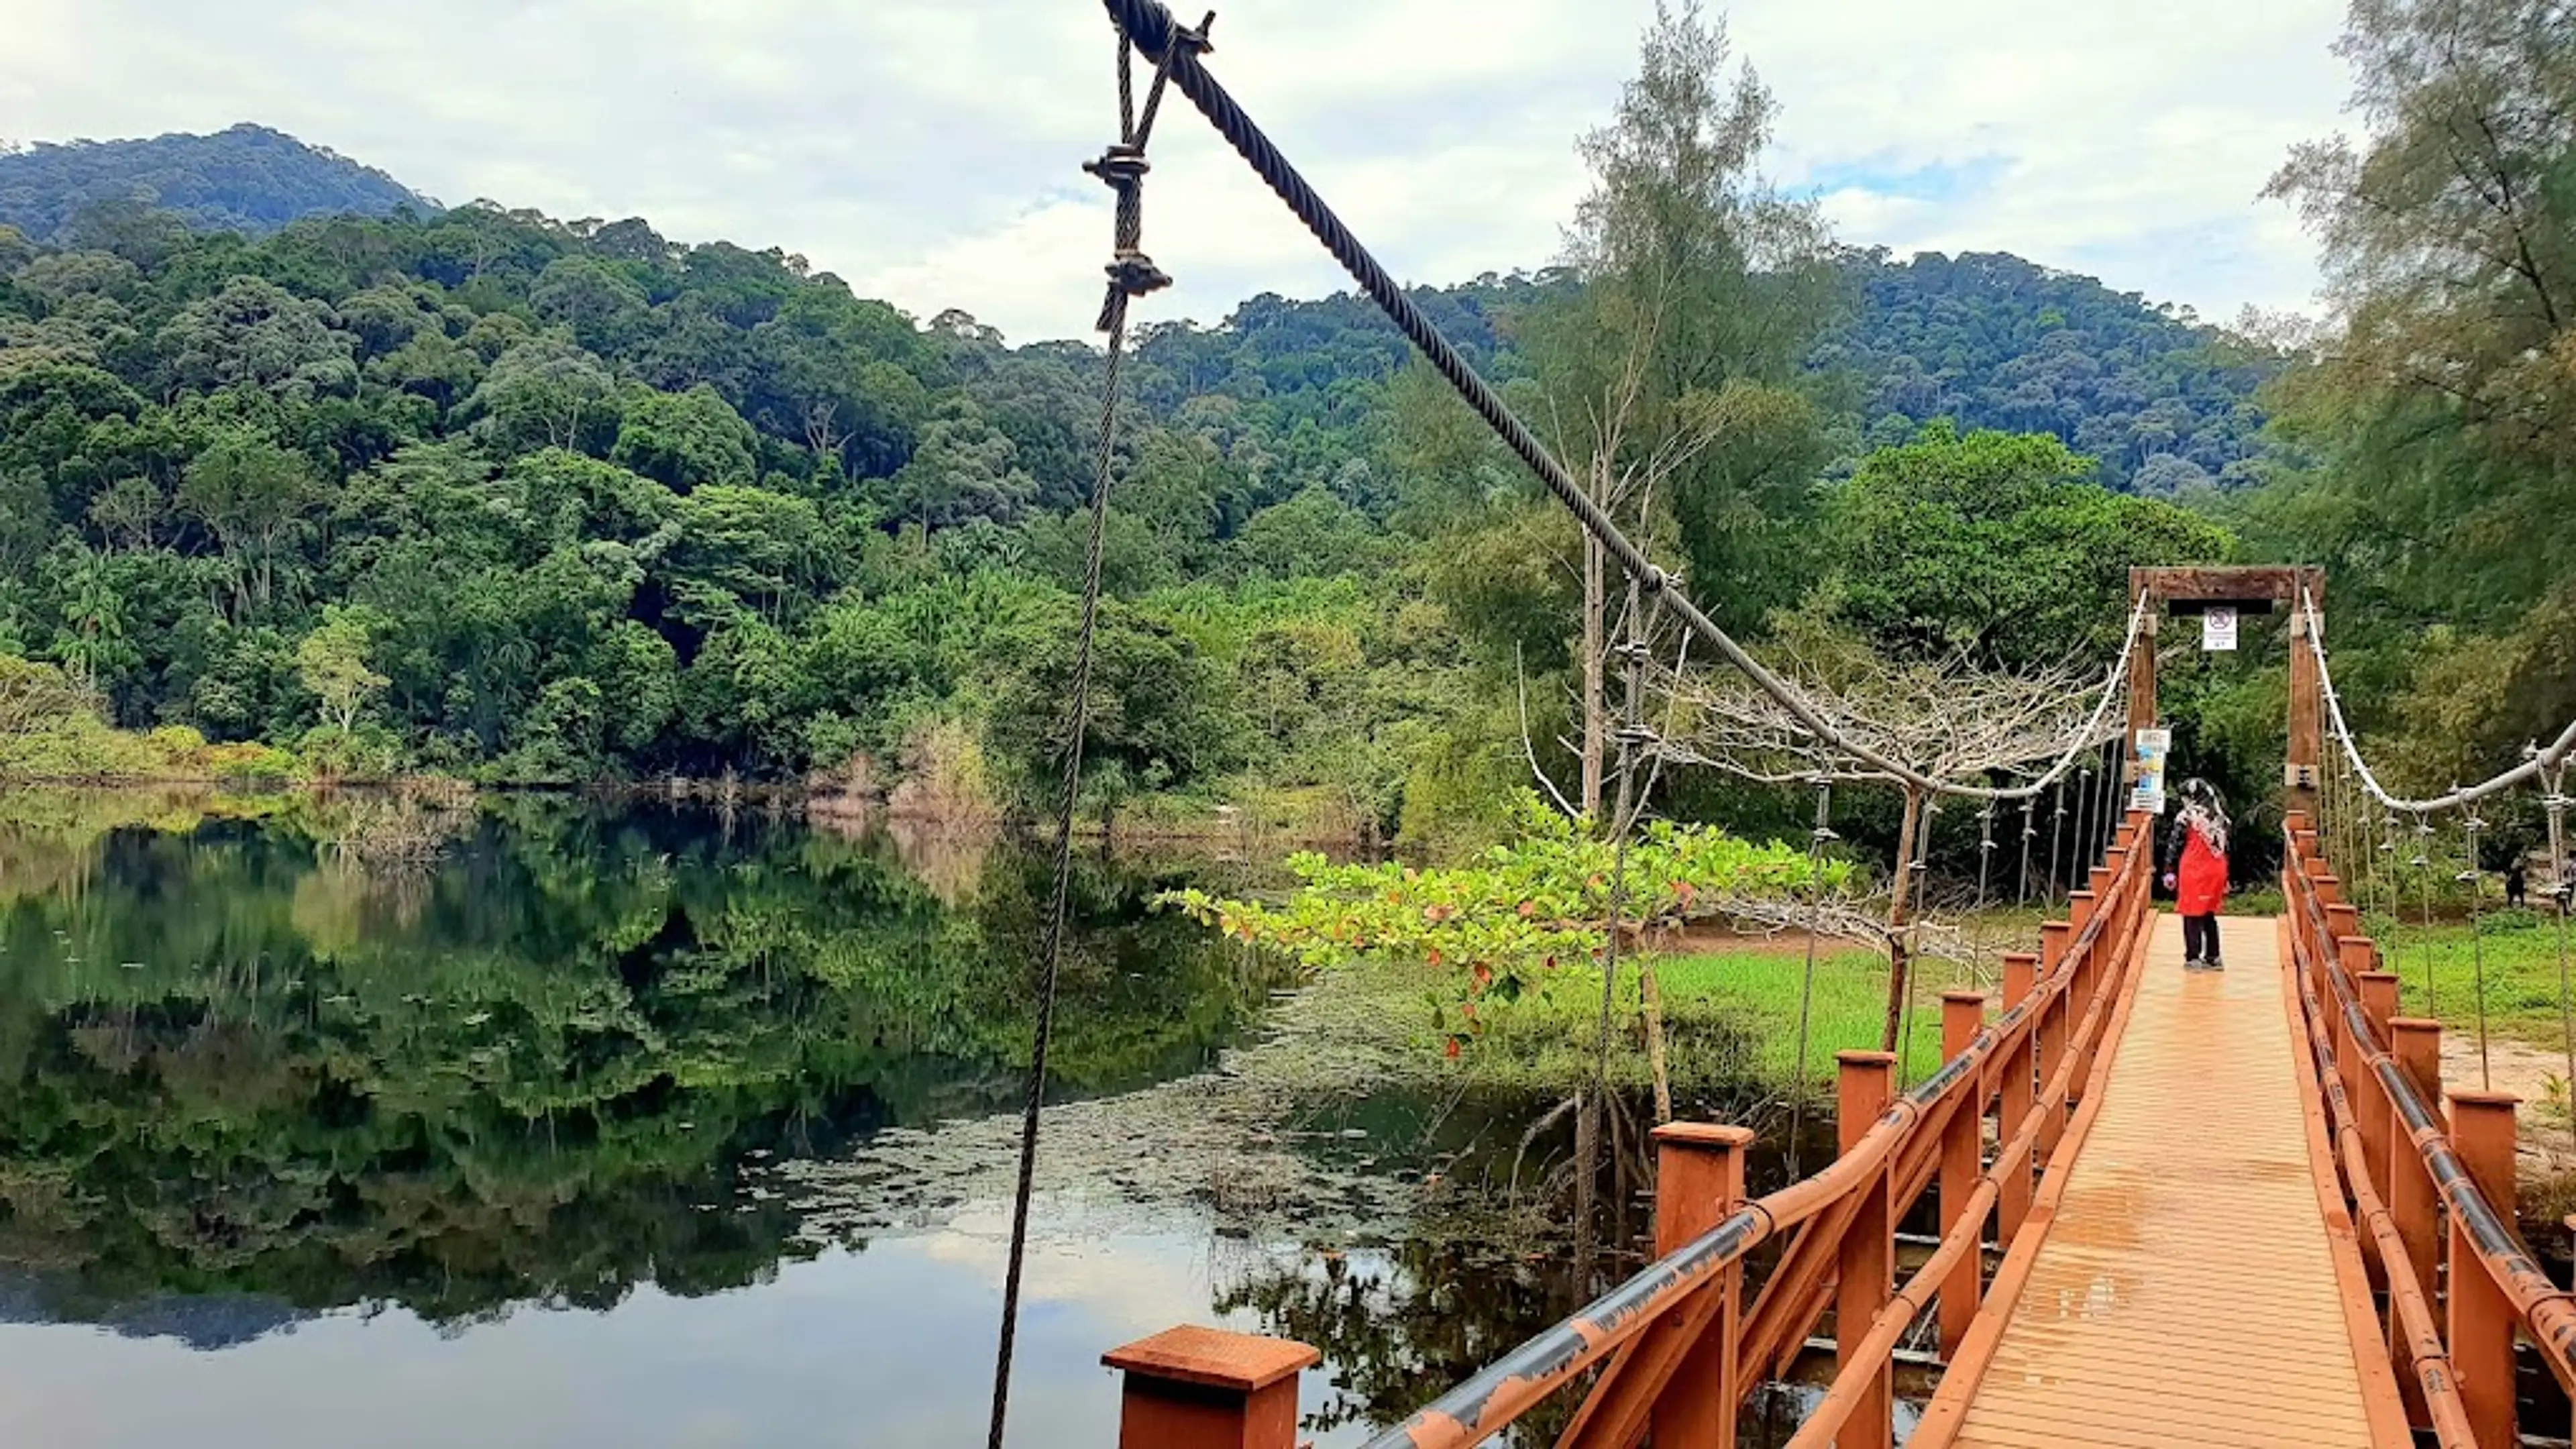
<point x="2539" y="763"/>
<point x="2405" y="1163"/>
<point x="2026" y="1067"/>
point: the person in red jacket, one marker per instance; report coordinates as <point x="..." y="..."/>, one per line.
<point x="2196" y="849"/>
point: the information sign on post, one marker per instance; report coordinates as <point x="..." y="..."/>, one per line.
<point x="2218" y="629"/>
<point x="2148" y="793"/>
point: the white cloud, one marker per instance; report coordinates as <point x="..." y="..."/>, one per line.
<point x="927" y="149"/>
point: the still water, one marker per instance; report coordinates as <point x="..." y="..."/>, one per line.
<point x="552" y="1124"/>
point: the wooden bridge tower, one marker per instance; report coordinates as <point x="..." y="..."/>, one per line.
<point x="2258" y="589"/>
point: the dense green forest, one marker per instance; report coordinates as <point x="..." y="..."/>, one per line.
<point x="247" y="178"/>
<point x="483" y="491"/>
<point x="486" y="492"/>
<point x="2166" y="405"/>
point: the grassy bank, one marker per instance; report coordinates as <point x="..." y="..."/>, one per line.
<point x="1730" y="1020"/>
<point x="2517" y="952"/>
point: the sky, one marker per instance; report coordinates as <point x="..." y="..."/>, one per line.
<point x="927" y="151"/>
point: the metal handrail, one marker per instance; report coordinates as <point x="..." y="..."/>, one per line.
<point x="2546" y="1312"/>
<point x="1492" y="1399"/>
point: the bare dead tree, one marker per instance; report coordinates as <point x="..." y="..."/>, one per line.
<point x="1950" y="719"/>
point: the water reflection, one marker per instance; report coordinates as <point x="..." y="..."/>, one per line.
<point x="533" y="1072"/>
<point x="548" y="1123"/>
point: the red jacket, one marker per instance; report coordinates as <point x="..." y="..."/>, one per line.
<point x="2200" y="881"/>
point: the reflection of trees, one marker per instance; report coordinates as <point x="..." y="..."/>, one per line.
<point x="540" y="1073"/>
<point x="1399" y="1325"/>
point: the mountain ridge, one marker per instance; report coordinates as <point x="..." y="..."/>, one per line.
<point x="247" y="177"/>
<point x="1985" y="339"/>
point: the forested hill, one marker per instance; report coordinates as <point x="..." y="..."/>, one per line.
<point x="1988" y="340"/>
<point x="247" y="179"/>
<point x="1992" y="341"/>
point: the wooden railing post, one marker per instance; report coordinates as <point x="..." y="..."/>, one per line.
<point x="2416" y="1043"/>
<point x="1203" y="1388"/>
<point x="2054" y="1025"/>
<point x="1963" y="1014"/>
<point x="2482" y="1319"/>
<point x="2369" y="1102"/>
<point x="1699" y="1180"/>
<point x="2020" y="1085"/>
<point x="1867" y="1260"/>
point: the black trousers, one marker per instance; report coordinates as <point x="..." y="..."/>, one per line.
<point x="2200" y="938"/>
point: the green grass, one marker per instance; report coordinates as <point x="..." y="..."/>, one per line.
<point x="1730" y="1018"/>
<point x="2519" y="954"/>
<point x="1757" y="995"/>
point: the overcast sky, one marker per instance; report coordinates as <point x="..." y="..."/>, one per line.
<point x="927" y="149"/>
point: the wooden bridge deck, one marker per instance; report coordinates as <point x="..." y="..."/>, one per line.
<point x="2193" y="1286"/>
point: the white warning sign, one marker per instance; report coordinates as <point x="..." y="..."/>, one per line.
<point x="2218" y="630"/>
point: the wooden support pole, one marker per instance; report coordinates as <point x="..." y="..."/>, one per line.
<point x="1866" y="1262"/>
<point x="2054" y="1025"/>
<point x="2369" y="1103"/>
<point x="2142" y="662"/>
<point x="2370" y="1109"/>
<point x="1203" y="1388"/>
<point x="1963" y="1013"/>
<point x="1699" y="1180"/>
<point x="2020" y="1085"/>
<point x="2482" y="1319"/>
<point x="2416" y="1043"/>
<point x="2307" y="713"/>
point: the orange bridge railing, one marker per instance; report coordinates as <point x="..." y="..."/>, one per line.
<point x="1679" y="1346"/>
<point x="2432" y="1194"/>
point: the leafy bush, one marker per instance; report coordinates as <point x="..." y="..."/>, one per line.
<point x="1500" y="926"/>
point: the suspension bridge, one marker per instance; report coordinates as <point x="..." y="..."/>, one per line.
<point x="2133" y="1206"/>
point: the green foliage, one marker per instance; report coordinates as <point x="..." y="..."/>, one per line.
<point x="1995" y="544"/>
<point x="332" y="662"/>
<point x="1503" y="926"/>
<point x="613" y="506"/>
<point x="2431" y="416"/>
<point x="2161" y="401"/>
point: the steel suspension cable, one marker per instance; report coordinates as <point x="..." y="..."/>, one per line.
<point x="1131" y="275"/>
<point x="2056" y="839"/>
<point x="2555" y="803"/>
<point x="2029" y="833"/>
<point x="1816" y="841"/>
<point x="2106" y="818"/>
<point x="1920" y="885"/>
<point x="2075" y="869"/>
<point x="1150" y="25"/>
<point x="2423" y="865"/>
<point x="2477" y="943"/>
<point x="1985" y="861"/>
<point x="1632" y="733"/>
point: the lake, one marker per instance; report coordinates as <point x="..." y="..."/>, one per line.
<point x="550" y="1123"/>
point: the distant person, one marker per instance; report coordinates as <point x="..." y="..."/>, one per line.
<point x="2196" y="847"/>
<point x="2517" y="886"/>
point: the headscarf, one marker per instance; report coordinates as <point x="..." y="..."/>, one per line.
<point x="2203" y="810"/>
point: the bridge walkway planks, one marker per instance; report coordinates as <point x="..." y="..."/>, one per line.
<point x="2195" y="1285"/>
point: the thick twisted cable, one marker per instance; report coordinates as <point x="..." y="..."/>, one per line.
<point x="1152" y="28"/>
<point x="2541" y="761"/>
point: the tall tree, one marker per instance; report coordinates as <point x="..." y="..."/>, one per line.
<point x="1674" y="378"/>
<point x="254" y="496"/>
<point x="2442" y="404"/>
